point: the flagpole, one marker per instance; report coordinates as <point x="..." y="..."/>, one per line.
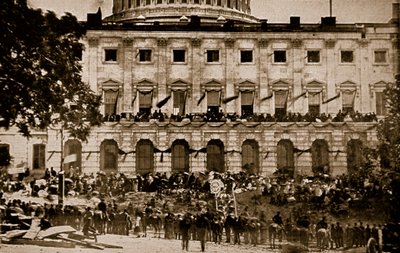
<point x="330" y="8"/>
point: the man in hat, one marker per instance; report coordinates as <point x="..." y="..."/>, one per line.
<point x="184" y="226"/>
<point x="202" y="224"/>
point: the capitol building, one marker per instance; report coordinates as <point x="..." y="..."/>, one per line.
<point x="202" y="85"/>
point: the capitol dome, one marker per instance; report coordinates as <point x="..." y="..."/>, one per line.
<point x="210" y="11"/>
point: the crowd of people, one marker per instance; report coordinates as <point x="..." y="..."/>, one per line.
<point x="219" y="116"/>
<point x="321" y="193"/>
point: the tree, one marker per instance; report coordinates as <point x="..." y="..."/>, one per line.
<point x="389" y="136"/>
<point x="389" y="129"/>
<point x="40" y="81"/>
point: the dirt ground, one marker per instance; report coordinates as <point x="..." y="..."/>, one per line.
<point x="149" y="245"/>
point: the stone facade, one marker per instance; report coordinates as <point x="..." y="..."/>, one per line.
<point x="332" y="63"/>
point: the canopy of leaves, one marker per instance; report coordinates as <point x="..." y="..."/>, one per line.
<point x="389" y="135"/>
<point x="40" y="81"/>
<point x="389" y="129"/>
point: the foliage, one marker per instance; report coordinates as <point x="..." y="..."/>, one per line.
<point x="40" y="81"/>
<point x="389" y="135"/>
<point x="389" y="129"/>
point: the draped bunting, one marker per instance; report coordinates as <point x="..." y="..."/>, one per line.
<point x="267" y="97"/>
<point x="163" y="102"/>
<point x="201" y="98"/>
<point x="229" y="99"/>
<point x="133" y="100"/>
<point x="331" y="99"/>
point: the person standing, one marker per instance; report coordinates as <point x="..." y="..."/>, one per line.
<point x="202" y="223"/>
<point x="184" y="226"/>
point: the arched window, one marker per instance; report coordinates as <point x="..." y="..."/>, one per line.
<point x="285" y="157"/>
<point x="180" y="156"/>
<point x="109" y="156"/>
<point x="215" y="156"/>
<point x="144" y="157"/>
<point x="39" y="156"/>
<point x="354" y="155"/>
<point x="73" y="147"/>
<point x="250" y="156"/>
<point x="320" y="157"/>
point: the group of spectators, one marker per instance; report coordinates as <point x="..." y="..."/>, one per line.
<point x="219" y="116"/>
<point x="322" y="193"/>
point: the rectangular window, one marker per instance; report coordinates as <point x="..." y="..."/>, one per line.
<point x="179" y="55"/>
<point x="314" y="103"/>
<point x="184" y="1"/>
<point x="380" y="56"/>
<point x="313" y="56"/>
<point x="148" y="2"/>
<point x="145" y="55"/>
<point x="346" y="56"/>
<point x="196" y="1"/>
<point x="208" y="1"/>
<point x="247" y="101"/>
<point x="179" y="102"/>
<point x="280" y="56"/>
<point x="39" y="152"/>
<point x="212" y="55"/>
<point x="280" y="103"/>
<point x="110" y="102"/>
<point x="137" y="3"/>
<point x="348" y="101"/>
<point x="246" y="56"/>
<point x="159" y="1"/>
<point x="145" y="102"/>
<point x="380" y="100"/>
<point x="219" y="2"/>
<point x="171" y="1"/>
<point x="110" y="55"/>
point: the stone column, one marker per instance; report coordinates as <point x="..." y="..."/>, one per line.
<point x="230" y="71"/>
<point x="263" y="106"/>
<point x="93" y="62"/>
<point x="298" y="65"/>
<point x="360" y="104"/>
<point x="330" y="77"/>
<point x="162" y="69"/>
<point x="196" y="67"/>
<point x="128" y="73"/>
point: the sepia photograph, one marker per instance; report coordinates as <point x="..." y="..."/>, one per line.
<point x="163" y="126"/>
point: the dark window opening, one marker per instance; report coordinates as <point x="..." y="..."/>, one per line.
<point x="144" y="55"/>
<point x="110" y="54"/>
<point x="179" y="55"/>
<point x="313" y="56"/>
<point x="144" y="157"/>
<point x="380" y="56"/>
<point x="246" y="56"/>
<point x="215" y="156"/>
<point x="347" y="56"/>
<point x="250" y="157"/>
<point x="212" y="55"/>
<point x="39" y="153"/>
<point x="279" y="56"/>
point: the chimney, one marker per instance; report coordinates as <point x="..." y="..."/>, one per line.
<point x="328" y="21"/>
<point x="264" y="24"/>
<point x="295" y="22"/>
<point x="195" y="21"/>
